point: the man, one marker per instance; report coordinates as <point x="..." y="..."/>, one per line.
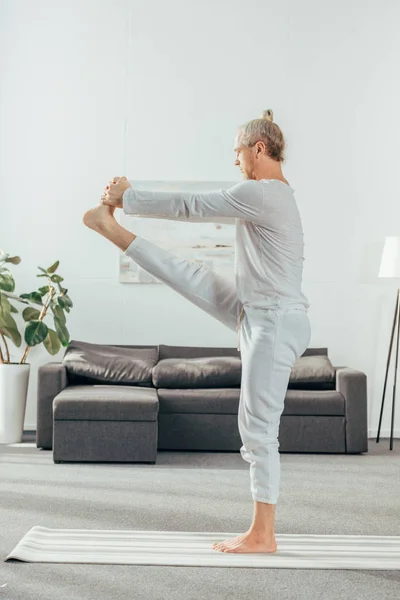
<point x="265" y="303"/>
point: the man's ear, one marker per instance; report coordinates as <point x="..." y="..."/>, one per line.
<point x="260" y="149"/>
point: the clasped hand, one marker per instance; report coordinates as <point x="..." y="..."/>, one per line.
<point x="114" y="190"/>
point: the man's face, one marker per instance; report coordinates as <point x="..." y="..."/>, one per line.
<point x="244" y="159"/>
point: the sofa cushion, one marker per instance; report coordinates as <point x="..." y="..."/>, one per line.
<point x="223" y="401"/>
<point x="104" y="363"/>
<point x="312" y="372"/>
<point x="166" y="351"/>
<point x="206" y="372"/>
<point x="105" y="403"/>
<point x="317" y="402"/>
<point x="226" y="401"/>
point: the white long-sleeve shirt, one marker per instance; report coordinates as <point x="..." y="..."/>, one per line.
<point x="269" y="235"/>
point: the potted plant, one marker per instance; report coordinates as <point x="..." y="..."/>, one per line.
<point x="50" y="299"/>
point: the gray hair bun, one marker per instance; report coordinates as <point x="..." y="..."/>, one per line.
<point x="268" y="114"/>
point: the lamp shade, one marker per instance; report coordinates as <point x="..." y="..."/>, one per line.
<point x="390" y="261"/>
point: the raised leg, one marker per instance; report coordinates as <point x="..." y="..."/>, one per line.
<point x="208" y="290"/>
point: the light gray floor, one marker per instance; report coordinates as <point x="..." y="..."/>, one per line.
<point x="190" y="491"/>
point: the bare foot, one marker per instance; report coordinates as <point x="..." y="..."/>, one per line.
<point x="248" y="542"/>
<point x="101" y="219"/>
<point x="97" y="218"/>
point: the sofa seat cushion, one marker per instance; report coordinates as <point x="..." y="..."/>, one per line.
<point x="105" y="403"/>
<point x="226" y="401"/>
<point x="195" y="401"/>
<point x="103" y="363"/>
<point x="309" y="402"/>
<point x="205" y="372"/>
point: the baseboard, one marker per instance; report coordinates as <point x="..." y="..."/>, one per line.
<point x="384" y="433"/>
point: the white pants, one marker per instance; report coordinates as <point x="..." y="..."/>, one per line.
<point x="272" y="338"/>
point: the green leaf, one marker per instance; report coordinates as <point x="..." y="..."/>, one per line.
<point x="13" y="334"/>
<point x="15" y="260"/>
<point x="68" y="301"/>
<point x="62" y="332"/>
<point x="43" y="271"/>
<point x="65" y="301"/>
<point x="35" y="333"/>
<point x="30" y="313"/>
<point x="59" y="313"/>
<point x="5" y="310"/>
<point x="45" y="275"/>
<point x="6" y="304"/>
<point x="61" y="301"/>
<point x="7" y="282"/>
<point x="52" y="342"/>
<point x="56" y="278"/>
<point x="6" y="320"/>
<point x="44" y="290"/>
<point x="34" y="297"/>
<point x="53" y="267"/>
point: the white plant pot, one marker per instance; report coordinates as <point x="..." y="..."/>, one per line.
<point x="14" y="379"/>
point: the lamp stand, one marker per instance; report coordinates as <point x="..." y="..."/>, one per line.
<point x="396" y="322"/>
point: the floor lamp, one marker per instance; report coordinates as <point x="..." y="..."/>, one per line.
<point x="390" y="267"/>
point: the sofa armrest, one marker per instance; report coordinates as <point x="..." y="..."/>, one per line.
<point x="352" y="384"/>
<point x="52" y="379"/>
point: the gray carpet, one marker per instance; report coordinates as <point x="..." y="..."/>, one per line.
<point x="190" y="491"/>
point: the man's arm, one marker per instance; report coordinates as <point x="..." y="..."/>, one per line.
<point x="241" y="201"/>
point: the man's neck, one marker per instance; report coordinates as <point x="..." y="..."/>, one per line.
<point x="271" y="175"/>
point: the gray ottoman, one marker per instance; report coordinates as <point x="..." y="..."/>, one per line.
<point x="105" y="423"/>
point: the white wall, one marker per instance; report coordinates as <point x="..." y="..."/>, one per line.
<point x="184" y="75"/>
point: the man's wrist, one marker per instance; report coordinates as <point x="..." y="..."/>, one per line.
<point x="125" y="197"/>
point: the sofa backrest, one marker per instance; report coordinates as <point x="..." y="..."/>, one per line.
<point x="165" y="351"/>
<point x="316" y="352"/>
<point x="153" y="347"/>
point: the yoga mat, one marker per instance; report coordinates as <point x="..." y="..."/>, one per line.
<point x="178" y="548"/>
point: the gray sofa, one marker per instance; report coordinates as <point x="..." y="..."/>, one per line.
<point x="84" y="420"/>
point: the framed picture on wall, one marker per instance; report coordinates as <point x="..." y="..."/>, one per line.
<point x="209" y="243"/>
